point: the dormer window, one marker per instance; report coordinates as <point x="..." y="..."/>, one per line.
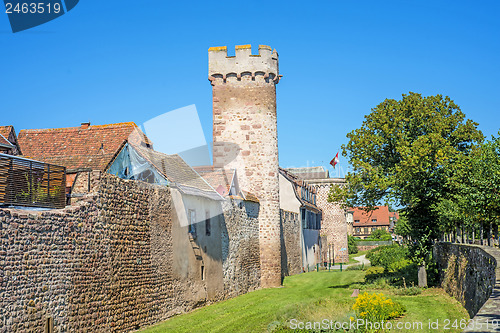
<point x="374" y="220"/>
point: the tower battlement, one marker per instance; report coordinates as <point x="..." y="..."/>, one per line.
<point x="264" y="64"/>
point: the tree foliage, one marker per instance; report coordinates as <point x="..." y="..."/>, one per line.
<point x="476" y="186"/>
<point x="351" y="244"/>
<point x="402" y="227"/>
<point x="380" y="234"/>
<point x="409" y="152"/>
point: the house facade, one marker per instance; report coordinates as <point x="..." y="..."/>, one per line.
<point x="367" y="222"/>
<point x="301" y="225"/>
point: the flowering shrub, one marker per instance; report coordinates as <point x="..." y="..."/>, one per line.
<point x="377" y="307"/>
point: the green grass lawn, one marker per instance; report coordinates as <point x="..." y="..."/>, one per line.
<point x="310" y="297"/>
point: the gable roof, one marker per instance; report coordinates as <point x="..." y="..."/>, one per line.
<point x="8" y="138"/>
<point x="220" y="179"/>
<point x="296" y="184"/>
<point x="178" y="173"/>
<point x="381" y="214"/>
<point x="85" y="147"/>
<point x="5" y="131"/>
<point x="223" y="181"/>
<point x="5" y="143"/>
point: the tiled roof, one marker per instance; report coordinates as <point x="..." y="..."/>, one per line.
<point x="4" y="141"/>
<point x="381" y="214"/>
<point x="178" y="172"/>
<point x="79" y="147"/>
<point x="220" y="179"/>
<point x="8" y="138"/>
<point x="6" y="130"/>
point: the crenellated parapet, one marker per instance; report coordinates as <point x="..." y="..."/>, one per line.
<point x="243" y="65"/>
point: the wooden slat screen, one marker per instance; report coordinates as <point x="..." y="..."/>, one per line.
<point x="25" y="182"/>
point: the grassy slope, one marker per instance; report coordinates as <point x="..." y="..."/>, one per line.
<point x="309" y="296"/>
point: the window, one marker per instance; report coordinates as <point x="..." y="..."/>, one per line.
<point x="192" y="221"/>
<point x="304" y="219"/>
<point x="356" y="221"/>
<point x="358" y="230"/>
<point x="374" y="220"/>
<point x="365" y="230"/>
<point x="207" y="223"/>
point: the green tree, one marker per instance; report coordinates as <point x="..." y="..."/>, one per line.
<point x="380" y="234"/>
<point x="478" y="199"/>
<point x="402" y="227"/>
<point x="351" y="244"/>
<point x="407" y="151"/>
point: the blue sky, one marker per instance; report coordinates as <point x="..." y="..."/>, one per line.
<point x="114" y="61"/>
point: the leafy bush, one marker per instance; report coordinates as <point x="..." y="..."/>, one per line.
<point x="398" y="268"/>
<point x="377" y="307"/>
<point x="374" y="270"/>
<point x="351" y="244"/>
<point x="387" y="256"/>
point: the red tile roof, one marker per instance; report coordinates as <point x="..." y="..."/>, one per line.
<point x="6" y="130"/>
<point x="4" y="141"/>
<point x="381" y="214"/>
<point x="79" y="147"/>
<point x="8" y="137"/>
<point x="220" y="179"/>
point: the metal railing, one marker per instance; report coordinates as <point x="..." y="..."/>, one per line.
<point x="25" y="182"/>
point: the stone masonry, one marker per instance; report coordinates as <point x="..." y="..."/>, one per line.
<point x="467" y="273"/>
<point x="106" y="264"/>
<point x="240" y="247"/>
<point x="245" y="137"/>
<point x="333" y="224"/>
<point x="89" y="267"/>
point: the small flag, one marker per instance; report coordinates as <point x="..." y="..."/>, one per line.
<point x="335" y="160"/>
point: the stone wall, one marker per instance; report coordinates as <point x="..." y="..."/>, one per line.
<point x="333" y="224"/>
<point x="84" y="183"/>
<point x="89" y="267"/>
<point x="106" y="264"/>
<point x="467" y="273"/>
<point x="240" y="247"/>
<point x="291" y="256"/>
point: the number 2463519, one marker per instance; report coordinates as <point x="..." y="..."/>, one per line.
<point x="32" y="8"/>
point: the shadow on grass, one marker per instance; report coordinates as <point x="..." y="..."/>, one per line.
<point x="343" y="286"/>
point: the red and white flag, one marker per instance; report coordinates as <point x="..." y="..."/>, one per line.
<point x="335" y="160"/>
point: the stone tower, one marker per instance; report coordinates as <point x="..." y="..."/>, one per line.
<point x="245" y="137"/>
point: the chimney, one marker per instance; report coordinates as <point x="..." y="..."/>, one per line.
<point x="85" y="125"/>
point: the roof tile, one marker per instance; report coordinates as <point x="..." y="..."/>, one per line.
<point x="78" y="148"/>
